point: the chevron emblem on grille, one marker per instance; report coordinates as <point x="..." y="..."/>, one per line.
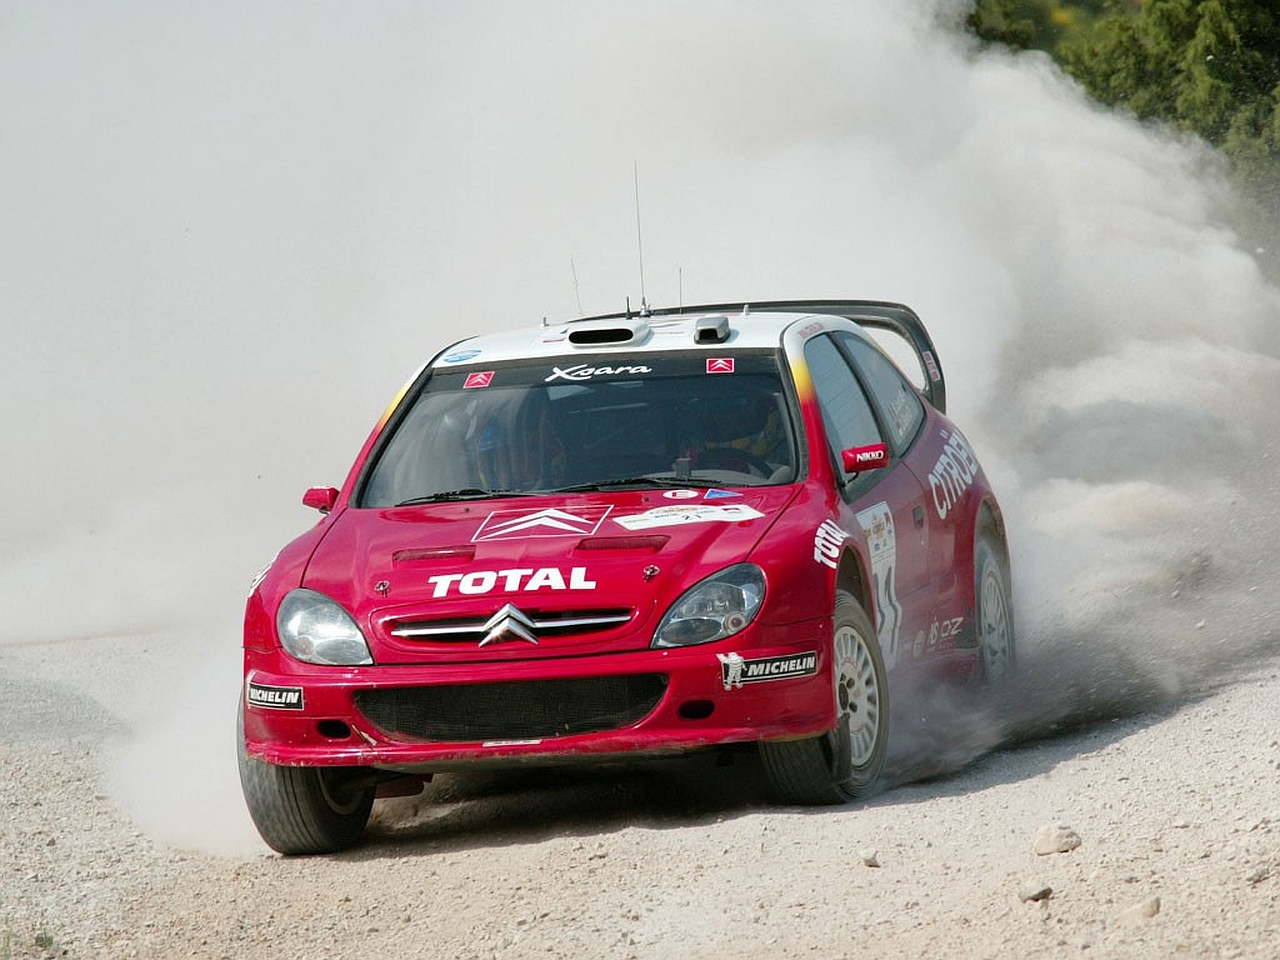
<point x="509" y="623"/>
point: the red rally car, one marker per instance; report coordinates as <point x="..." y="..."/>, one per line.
<point x="636" y="534"/>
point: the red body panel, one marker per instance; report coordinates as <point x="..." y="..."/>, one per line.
<point x="626" y="557"/>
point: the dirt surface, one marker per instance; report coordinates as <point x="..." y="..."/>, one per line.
<point x="1175" y="810"/>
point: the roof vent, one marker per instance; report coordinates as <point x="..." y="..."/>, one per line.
<point x="711" y="330"/>
<point x="594" y="334"/>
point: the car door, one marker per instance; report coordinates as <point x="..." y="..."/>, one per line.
<point x="886" y="505"/>
<point x="922" y="448"/>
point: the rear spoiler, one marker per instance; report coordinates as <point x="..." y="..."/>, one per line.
<point x="873" y="314"/>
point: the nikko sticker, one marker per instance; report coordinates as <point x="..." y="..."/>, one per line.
<point x="675" y="516"/>
<point x="273" y="698"/>
<point x="482" y="379"/>
<point x="882" y="545"/>
<point x="735" y="670"/>
<point x="526" y="524"/>
<point x="720" y="365"/>
<point x="460" y="356"/>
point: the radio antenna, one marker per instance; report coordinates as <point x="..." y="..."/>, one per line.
<point x="644" y="304"/>
<point x="577" y="295"/>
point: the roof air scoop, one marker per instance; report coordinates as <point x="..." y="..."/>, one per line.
<point x="711" y="330"/>
<point x="616" y="332"/>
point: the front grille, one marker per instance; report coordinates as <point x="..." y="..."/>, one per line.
<point x="545" y="625"/>
<point x="513" y="710"/>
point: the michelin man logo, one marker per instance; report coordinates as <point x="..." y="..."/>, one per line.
<point x="731" y="665"/>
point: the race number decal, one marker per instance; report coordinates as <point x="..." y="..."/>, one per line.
<point x="877" y="524"/>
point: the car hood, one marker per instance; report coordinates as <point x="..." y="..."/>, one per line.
<point x="531" y="576"/>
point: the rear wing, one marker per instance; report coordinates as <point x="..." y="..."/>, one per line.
<point x="872" y="314"/>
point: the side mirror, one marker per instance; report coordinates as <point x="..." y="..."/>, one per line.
<point x="862" y="459"/>
<point x="320" y="498"/>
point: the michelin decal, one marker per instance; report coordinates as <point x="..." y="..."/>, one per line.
<point x="735" y="670"/>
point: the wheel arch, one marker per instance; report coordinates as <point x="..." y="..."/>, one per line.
<point x="991" y="520"/>
<point x="851" y="578"/>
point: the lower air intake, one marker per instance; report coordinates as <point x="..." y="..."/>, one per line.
<point x="518" y="710"/>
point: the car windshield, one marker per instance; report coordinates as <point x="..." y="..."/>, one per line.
<point x="557" y="425"/>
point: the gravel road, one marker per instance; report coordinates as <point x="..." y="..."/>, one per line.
<point x="1167" y="817"/>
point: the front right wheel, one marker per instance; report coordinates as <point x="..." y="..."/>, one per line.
<point x="846" y="762"/>
<point x="993" y="598"/>
<point x="305" y="810"/>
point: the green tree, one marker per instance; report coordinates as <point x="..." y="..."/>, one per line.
<point x="1035" y="24"/>
<point x="1209" y="67"/>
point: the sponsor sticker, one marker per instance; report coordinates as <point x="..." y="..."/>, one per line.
<point x="952" y="475"/>
<point x="735" y="669"/>
<point x="581" y="372"/>
<point x="516" y="580"/>
<point x="274" y="698"/>
<point x="460" y="356"/>
<point x="882" y="543"/>
<point x="932" y="366"/>
<point x="681" y="495"/>
<point x="865" y="458"/>
<point x="677" y="516"/>
<point x="827" y="543"/>
<point x="721" y="494"/>
<point x="719" y="364"/>
<point x="482" y="379"/>
<point x="524" y="525"/>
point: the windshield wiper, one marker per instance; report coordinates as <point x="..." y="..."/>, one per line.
<point x="467" y="493"/>
<point x="633" y="482"/>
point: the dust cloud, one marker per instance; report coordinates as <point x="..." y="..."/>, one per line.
<point x="233" y="231"/>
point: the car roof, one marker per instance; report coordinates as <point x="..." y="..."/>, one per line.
<point x="709" y="327"/>
<point x="637" y="334"/>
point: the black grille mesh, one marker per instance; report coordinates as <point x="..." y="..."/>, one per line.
<point x="517" y="710"/>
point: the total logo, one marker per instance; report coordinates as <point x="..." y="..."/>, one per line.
<point x="522" y="580"/>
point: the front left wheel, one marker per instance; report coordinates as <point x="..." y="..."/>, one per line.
<point x="845" y="763"/>
<point x="306" y="810"/>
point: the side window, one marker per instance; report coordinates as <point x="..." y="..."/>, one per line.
<point x="846" y="414"/>
<point x="901" y="411"/>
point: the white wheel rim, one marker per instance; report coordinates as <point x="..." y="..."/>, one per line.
<point x="857" y="694"/>
<point x="994" y="627"/>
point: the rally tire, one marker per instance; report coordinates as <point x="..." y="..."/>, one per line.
<point x="993" y="609"/>
<point x="845" y="763"/>
<point x="305" y="810"/>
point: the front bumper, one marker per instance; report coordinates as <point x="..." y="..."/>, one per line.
<point x="658" y="702"/>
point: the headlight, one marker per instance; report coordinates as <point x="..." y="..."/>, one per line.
<point x="716" y="608"/>
<point x="316" y="630"/>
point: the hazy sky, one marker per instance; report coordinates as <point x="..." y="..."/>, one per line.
<point x="231" y="230"/>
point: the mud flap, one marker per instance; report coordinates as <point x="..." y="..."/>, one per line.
<point x="838" y="741"/>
